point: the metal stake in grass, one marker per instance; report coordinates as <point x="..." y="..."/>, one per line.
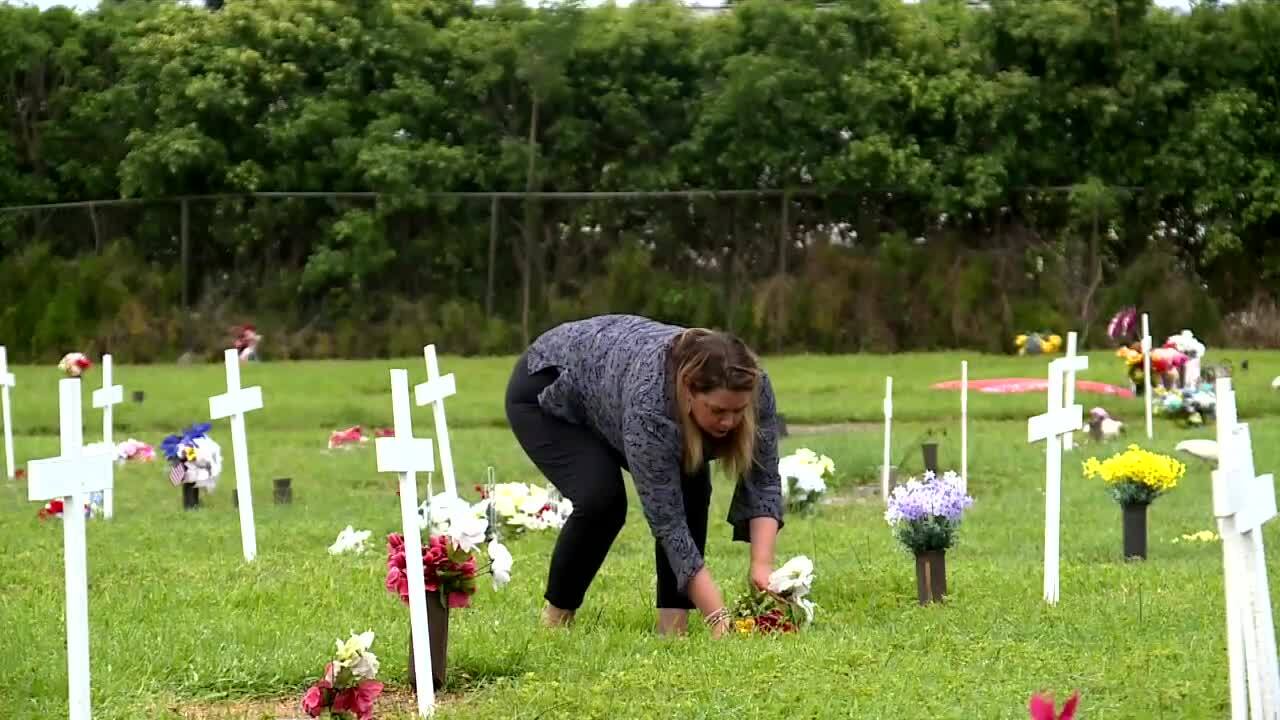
<point x="406" y="455"/>
<point x="964" y="426"/>
<point x="1146" y="372"/>
<point x="888" y="422"/>
<point x="6" y="381"/>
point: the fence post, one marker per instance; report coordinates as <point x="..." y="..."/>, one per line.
<point x="185" y="239"/>
<point x="493" y="253"/>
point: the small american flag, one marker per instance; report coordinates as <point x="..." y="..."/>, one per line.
<point x="177" y="473"/>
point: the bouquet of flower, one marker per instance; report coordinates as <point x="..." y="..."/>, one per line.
<point x="1038" y="343"/>
<point x="804" y="478"/>
<point x="246" y="342"/>
<point x="194" y="457"/>
<point x="350" y="540"/>
<point x="1189" y="405"/>
<point x="449" y="554"/>
<point x="353" y="435"/>
<point x="1136" y="476"/>
<point x="1123" y="324"/>
<point x="783" y="607"/>
<point x="926" y="515"/>
<point x="54" y="508"/>
<point x="1187" y="344"/>
<point x="134" y="451"/>
<point x="1165" y="362"/>
<point x="522" y="506"/>
<point x="74" y="364"/>
<point x="348" y="688"/>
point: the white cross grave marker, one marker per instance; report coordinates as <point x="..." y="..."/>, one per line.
<point x="433" y="392"/>
<point x="234" y="404"/>
<point x="107" y="397"/>
<point x="1069" y="440"/>
<point x="72" y="476"/>
<point x="1243" y="502"/>
<point x="1050" y="427"/>
<point x="888" y="422"/>
<point x="1146" y="372"/>
<point x="964" y="426"/>
<point x="6" y="381"/>
<point x="407" y="455"/>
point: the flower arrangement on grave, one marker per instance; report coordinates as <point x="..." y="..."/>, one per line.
<point x="1194" y="350"/>
<point x="348" y="688"/>
<point x="353" y="435"/>
<point x="1123" y="325"/>
<point x="1042" y="707"/>
<point x="134" y="451"/>
<point x="925" y="517"/>
<point x="350" y="540"/>
<point x="246" y="339"/>
<point x="1166" y="363"/>
<point x="194" y="458"/>
<point x="1038" y="343"/>
<point x="783" y="607"/>
<point x="74" y="364"/>
<point x="1190" y="406"/>
<point x="54" y="508"/>
<point x="521" y="507"/>
<point x="1135" y="478"/>
<point x="804" y="475"/>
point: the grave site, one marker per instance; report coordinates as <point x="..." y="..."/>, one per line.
<point x="639" y="359"/>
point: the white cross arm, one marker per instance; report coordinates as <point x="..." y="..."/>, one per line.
<point x="67" y="476"/>
<point x="1071" y="362"/>
<point x="405" y="455"/>
<point x="234" y="403"/>
<point x="1058" y="422"/>
<point x="107" y="396"/>
<point x="8" y="380"/>
<point x="435" y="390"/>
<point x="1260" y="505"/>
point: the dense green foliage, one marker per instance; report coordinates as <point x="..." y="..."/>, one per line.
<point x="958" y="174"/>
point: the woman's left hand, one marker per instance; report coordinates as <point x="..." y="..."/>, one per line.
<point x="760" y="575"/>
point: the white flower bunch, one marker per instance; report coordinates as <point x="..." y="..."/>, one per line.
<point x="463" y="523"/>
<point x="804" y="478"/>
<point x="354" y="657"/>
<point x="1187" y="344"/>
<point x="350" y="540"/>
<point x="521" y="507"/>
<point x="205" y="467"/>
<point x="792" y="582"/>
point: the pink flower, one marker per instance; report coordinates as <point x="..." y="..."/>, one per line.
<point x="459" y="600"/>
<point x="1042" y="707"/>
<point x="398" y="582"/>
<point x="358" y="700"/>
<point x="313" y="702"/>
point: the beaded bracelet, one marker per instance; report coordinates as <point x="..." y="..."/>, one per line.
<point x="717" y="617"/>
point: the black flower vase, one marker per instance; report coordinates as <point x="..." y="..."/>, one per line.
<point x="190" y="496"/>
<point x="930" y="452"/>
<point x="931" y="576"/>
<point x="1135" y="531"/>
<point x="438" y="642"/>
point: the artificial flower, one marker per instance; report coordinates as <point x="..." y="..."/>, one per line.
<point x="1042" y="707"/>
<point x="350" y="540"/>
<point x="926" y="515"/>
<point x="795" y="576"/>
<point x="74" y="364"/>
<point x="1136" y="476"/>
<point x="804" y="476"/>
<point x="501" y="562"/>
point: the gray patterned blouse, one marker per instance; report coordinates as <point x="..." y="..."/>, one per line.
<point x="614" y="378"/>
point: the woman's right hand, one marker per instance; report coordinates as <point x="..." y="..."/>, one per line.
<point x="706" y="596"/>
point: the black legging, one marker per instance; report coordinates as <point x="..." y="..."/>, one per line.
<point x="588" y="471"/>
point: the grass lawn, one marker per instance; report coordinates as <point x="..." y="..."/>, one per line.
<point x="181" y="627"/>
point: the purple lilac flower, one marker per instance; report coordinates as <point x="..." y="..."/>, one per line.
<point x="935" y="497"/>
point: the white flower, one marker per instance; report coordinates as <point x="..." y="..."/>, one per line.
<point x="354" y="655"/>
<point x="501" y="558"/>
<point x="350" y="540"/>
<point x="807" y="607"/>
<point x="355" y="645"/>
<point x="794" y="578"/>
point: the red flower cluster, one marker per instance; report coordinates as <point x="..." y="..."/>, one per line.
<point x="774" y="621"/>
<point x="1042" y="707"/>
<point x="357" y="700"/>
<point x="445" y="570"/>
<point x="52" y="509"/>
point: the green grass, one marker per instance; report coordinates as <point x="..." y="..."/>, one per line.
<point x="178" y="620"/>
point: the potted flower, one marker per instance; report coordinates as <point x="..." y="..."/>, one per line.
<point x="783" y="607"/>
<point x="449" y="564"/>
<point x="1135" y="478"/>
<point x="522" y="507"/>
<point x="1186" y="405"/>
<point x="195" y="462"/>
<point x="348" y="688"/>
<point x="804" y="476"/>
<point x="1187" y="344"/>
<point x="925" y="517"/>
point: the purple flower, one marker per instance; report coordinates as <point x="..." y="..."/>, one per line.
<point x="934" y="498"/>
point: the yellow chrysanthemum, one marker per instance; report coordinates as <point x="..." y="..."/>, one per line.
<point x="746" y="625"/>
<point x="1155" y="471"/>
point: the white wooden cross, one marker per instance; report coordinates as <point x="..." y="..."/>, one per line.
<point x="107" y="397"/>
<point x="72" y="476"/>
<point x="1243" y="502"/>
<point x="1146" y="372"/>
<point x="964" y="426"/>
<point x="433" y="392"/>
<point x="1050" y="427"/>
<point x="6" y="381"/>
<point x="407" y="456"/>
<point x="234" y="404"/>
<point x="1069" y="440"/>
<point x="888" y="422"/>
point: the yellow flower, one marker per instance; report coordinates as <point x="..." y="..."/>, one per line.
<point x="1157" y="472"/>
<point x="746" y="625"/>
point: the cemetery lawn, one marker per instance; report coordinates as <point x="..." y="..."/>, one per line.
<point x="182" y="628"/>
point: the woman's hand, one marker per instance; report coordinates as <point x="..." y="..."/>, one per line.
<point x="760" y="573"/>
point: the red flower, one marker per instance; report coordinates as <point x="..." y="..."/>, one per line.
<point x="459" y="600"/>
<point x="1042" y="707"/>
<point x="84" y="363"/>
<point x="20" y="474"/>
<point x="51" y="509"/>
<point x="317" y="698"/>
<point x="358" y="700"/>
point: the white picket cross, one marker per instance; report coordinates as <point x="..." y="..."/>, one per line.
<point x="73" y="475"/>
<point x="1069" y="440"/>
<point x="433" y="392"/>
<point x="888" y="423"/>
<point x="1243" y="502"/>
<point x="106" y="398"/>
<point x="234" y="403"/>
<point x="7" y="380"/>
<point x="1146" y="373"/>
<point x="964" y="425"/>
<point x="1050" y="427"/>
<point x="406" y="455"/>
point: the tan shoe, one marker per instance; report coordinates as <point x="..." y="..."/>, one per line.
<point x="554" y="617"/>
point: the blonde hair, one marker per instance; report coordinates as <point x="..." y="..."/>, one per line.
<point x="705" y="361"/>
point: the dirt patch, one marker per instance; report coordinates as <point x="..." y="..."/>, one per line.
<point x="393" y="703"/>
<point x="853" y="495"/>
<point x="863" y="426"/>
